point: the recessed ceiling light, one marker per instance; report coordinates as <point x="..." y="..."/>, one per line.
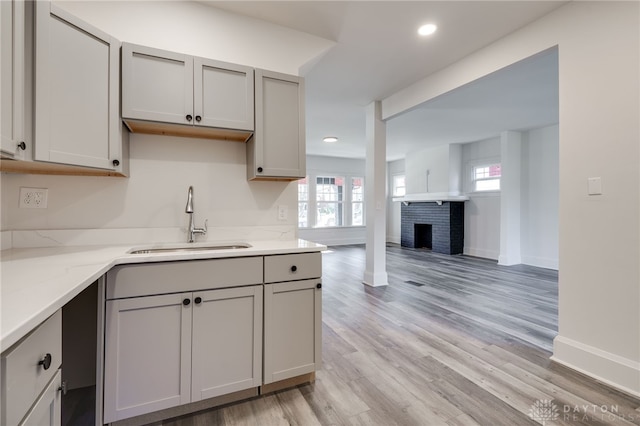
<point x="330" y="139"/>
<point x="427" y="29"/>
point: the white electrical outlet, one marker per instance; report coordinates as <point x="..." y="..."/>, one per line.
<point x="283" y="212"/>
<point x="33" y="198"/>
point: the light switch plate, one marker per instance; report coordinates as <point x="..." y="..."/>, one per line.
<point x="283" y="212"/>
<point x="594" y="185"/>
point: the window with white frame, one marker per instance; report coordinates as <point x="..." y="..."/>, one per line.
<point x="357" y="201"/>
<point x="486" y="177"/>
<point x="303" y="202"/>
<point x="329" y="201"/>
<point x="398" y="186"/>
<point x="326" y="200"/>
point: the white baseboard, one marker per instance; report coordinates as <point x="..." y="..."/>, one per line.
<point x="541" y="262"/>
<point x="613" y="370"/>
<point x="487" y="254"/>
<point x="506" y="260"/>
<point x="395" y="239"/>
<point x="375" y="279"/>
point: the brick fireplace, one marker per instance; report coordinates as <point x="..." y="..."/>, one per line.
<point x="435" y="226"/>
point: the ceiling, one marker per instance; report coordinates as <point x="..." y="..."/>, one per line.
<point x="378" y="52"/>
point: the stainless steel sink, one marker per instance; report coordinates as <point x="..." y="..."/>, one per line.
<point x="190" y="248"/>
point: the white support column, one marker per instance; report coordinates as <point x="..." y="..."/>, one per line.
<point x="375" y="273"/>
<point x="510" y="199"/>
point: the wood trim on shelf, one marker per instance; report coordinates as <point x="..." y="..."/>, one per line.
<point x="44" y="168"/>
<point x="155" y="128"/>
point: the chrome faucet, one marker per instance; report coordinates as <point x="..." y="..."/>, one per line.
<point x="189" y="210"/>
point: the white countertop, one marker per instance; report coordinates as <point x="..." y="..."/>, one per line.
<point x="36" y="282"/>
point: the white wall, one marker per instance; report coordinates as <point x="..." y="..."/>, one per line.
<point x="482" y="211"/>
<point x="435" y="161"/>
<point x="599" y="243"/>
<point x="196" y="29"/>
<point x="435" y="170"/>
<point x="347" y="167"/>
<point x="540" y="175"/>
<point x="539" y="199"/>
<point x="393" y="208"/>
<point x="162" y="169"/>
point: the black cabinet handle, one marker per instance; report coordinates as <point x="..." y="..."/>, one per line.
<point x="294" y="268"/>
<point x="186" y="302"/>
<point x="116" y="163"/>
<point x="45" y="362"/>
<point x="197" y="300"/>
<point x="63" y="387"/>
<point x="189" y="117"/>
<point x="198" y="118"/>
<point x="318" y="285"/>
<point x="259" y="169"/>
<point x="22" y="146"/>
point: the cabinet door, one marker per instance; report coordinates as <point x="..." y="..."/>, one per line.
<point x="12" y="45"/>
<point x="147" y="355"/>
<point x="77" y="91"/>
<point x="47" y="409"/>
<point x="223" y="94"/>
<point x="227" y="341"/>
<point x="277" y="149"/>
<point x="157" y="85"/>
<point x="292" y="329"/>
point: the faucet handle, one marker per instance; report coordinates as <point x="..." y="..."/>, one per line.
<point x="205" y="225"/>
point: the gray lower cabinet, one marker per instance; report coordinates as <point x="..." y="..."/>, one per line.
<point x="227" y="341"/>
<point x="31" y="377"/>
<point x="47" y="410"/>
<point x="147" y="355"/>
<point x="166" y="350"/>
<point x="292" y="315"/>
<point x="292" y="329"/>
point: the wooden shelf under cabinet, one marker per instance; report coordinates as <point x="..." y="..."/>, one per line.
<point x="156" y="128"/>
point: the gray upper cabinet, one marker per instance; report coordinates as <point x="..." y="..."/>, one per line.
<point x="223" y="94"/>
<point x="277" y="149"/>
<point x="76" y="92"/>
<point x="156" y="85"/>
<point x="168" y="87"/>
<point x="12" y="82"/>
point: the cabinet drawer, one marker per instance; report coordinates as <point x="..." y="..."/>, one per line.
<point x="23" y="378"/>
<point x="291" y="267"/>
<point x="171" y="277"/>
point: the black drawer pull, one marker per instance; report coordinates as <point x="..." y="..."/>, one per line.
<point x="318" y="285"/>
<point x="186" y="302"/>
<point x="294" y="268"/>
<point x="45" y="362"/>
<point x="198" y="300"/>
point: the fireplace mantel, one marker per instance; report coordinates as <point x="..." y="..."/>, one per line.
<point x="426" y="197"/>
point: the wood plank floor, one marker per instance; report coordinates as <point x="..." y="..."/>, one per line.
<point x="453" y="340"/>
